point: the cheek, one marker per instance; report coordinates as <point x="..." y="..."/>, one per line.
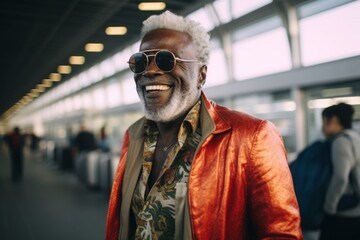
<point x="191" y="80"/>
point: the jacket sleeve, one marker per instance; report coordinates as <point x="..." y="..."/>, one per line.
<point x="273" y="207"/>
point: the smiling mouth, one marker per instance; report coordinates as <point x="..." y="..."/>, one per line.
<point x="156" y="88"/>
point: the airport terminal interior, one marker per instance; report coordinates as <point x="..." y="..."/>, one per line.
<point x="283" y="61"/>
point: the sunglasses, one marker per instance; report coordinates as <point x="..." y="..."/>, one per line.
<point x="164" y="60"/>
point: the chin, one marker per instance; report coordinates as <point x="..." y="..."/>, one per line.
<point x="180" y="103"/>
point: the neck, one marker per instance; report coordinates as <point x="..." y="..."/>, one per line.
<point x="169" y="130"/>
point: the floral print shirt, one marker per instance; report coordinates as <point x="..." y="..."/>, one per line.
<point x="154" y="209"/>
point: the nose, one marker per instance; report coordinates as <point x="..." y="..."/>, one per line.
<point x="151" y="68"/>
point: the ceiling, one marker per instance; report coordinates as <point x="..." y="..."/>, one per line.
<point x="39" y="35"/>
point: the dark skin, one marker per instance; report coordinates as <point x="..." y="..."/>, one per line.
<point x="167" y="136"/>
<point x="181" y="77"/>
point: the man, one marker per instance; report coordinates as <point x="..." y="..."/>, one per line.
<point x="85" y="140"/>
<point x="192" y="169"/>
<point x="15" y="142"/>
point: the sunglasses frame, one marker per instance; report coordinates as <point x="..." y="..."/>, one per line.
<point x="157" y="51"/>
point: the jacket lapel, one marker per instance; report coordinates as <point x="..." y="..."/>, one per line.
<point x="131" y="175"/>
<point x="211" y="123"/>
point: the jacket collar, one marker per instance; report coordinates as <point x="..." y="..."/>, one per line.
<point x="210" y="119"/>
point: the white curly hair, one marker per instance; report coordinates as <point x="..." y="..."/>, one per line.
<point x="169" y="20"/>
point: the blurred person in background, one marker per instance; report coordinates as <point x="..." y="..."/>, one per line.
<point x="104" y="144"/>
<point x="342" y="222"/>
<point x="191" y="168"/>
<point x="16" y="142"/>
<point x="34" y="141"/>
<point x="85" y="140"/>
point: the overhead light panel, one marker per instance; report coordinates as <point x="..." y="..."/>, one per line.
<point x="151" y="6"/>
<point x="27" y="99"/>
<point x="40" y="88"/>
<point x="47" y="83"/>
<point x="35" y="90"/>
<point x="94" y="47"/>
<point x="55" y="77"/>
<point x="34" y="94"/>
<point x="77" y="60"/>
<point x="113" y="30"/>
<point x="64" y="69"/>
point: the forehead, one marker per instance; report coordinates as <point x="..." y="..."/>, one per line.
<point x="175" y="41"/>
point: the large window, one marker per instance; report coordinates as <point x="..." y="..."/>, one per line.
<point x="261" y="54"/>
<point x="129" y="89"/>
<point x="331" y="35"/>
<point x="217" y="72"/>
<point x="245" y="6"/>
<point x="277" y="107"/>
<point x="113" y="94"/>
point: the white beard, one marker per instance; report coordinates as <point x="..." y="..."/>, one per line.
<point x="180" y="102"/>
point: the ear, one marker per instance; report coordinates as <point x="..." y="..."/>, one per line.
<point x="202" y="76"/>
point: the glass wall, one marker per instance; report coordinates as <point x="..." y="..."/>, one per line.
<point x="277" y="107"/>
<point x="318" y="98"/>
<point x="331" y="34"/>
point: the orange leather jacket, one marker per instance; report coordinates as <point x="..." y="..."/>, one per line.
<point x="239" y="186"/>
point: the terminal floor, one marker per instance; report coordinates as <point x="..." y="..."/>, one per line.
<point x="48" y="204"/>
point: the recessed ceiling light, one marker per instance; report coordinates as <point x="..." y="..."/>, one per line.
<point x="55" y="77"/>
<point x="112" y="30"/>
<point x="34" y="94"/>
<point x="151" y="6"/>
<point x="94" y="47"/>
<point x="47" y="83"/>
<point x="64" y="69"/>
<point x="77" y="60"/>
<point x="35" y="90"/>
<point x="40" y="88"/>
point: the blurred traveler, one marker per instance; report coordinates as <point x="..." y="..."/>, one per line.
<point x="85" y="140"/>
<point x="69" y="137"/>
<point x="15" y="141"/>
<point x="191" y="169"/>
<point x="34" y="141"/>
<point x="342" y="208"/>
<point x="103" y="141"/>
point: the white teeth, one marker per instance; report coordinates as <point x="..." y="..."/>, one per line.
<point x="157" y="88"/>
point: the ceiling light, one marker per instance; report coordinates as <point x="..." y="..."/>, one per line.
<point x="64" y="69"/>
<point x="77" y="60"/>
<point x="116" y="30"/>
<point x="26" y="99"/>
<point x="34" y="94"/>
<point x="151" y="6"/>
<point x="94" y="47"/>
<point x="40" y="88"/>
<point x="55" y="77"/>
<point x="47" y="83"/>
<point x="35" y="90"/>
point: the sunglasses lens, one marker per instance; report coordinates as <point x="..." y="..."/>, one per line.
<point x="165" y="61"/>
<point x="138" y="62"/>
